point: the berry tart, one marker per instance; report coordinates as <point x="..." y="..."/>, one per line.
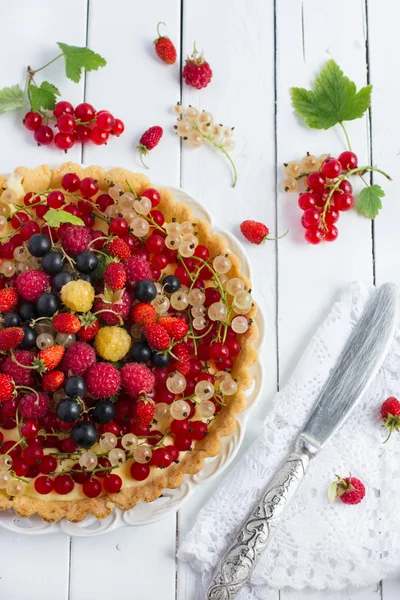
<point x="125" y="341"/>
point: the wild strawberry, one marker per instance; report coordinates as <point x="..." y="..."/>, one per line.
<point x="137" y="378"/>
<point x="32" y="284"/>
<point x="53" y="381"/>
<point x="157" y="337"/>
<point x="8" y="299"/>
<point x="103" y="380"/>
<point x="118" y="249"/>
<point x="349" y="490"/>
<point x="89" y="327"/>
<point x="10" y="338"/>
<point x="144" y="313"/>
<point x="7" y="387"/>
<point x="390" y="412"/>
<point x="78" y="358"/>
<point x="197" y="72"/>
<point x="143" y="412"/>
<point x="174" y="326"/>
<point x="34" y="405"/>
<point x="165" y="48"/>
<point x="66" y="323"/>
<point x="49" y="359"/>
<point x="149" y="140"/>
<point x="182" y="362"/>
<point x="115" y="276"/>
<point x="254" y="231"/>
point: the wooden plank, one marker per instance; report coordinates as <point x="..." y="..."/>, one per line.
<point x="237" y="38"/>
<point x="138" y="88"/>
<point x="28" y="37"/>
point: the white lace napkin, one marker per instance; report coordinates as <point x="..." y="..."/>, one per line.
<point x="319" y="545"/>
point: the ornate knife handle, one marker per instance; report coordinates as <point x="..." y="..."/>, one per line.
<point x="238" y="563"/>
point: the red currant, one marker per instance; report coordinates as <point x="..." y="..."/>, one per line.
<point x="64" y="141"/>
<point x="98" y="136"/>
<point x="183" y="442"/>
<point x="345" y="186"/>
<point x="157" y="457"/>
<point x="80" y="476"/>
<point x="82" y="133"/>
<point x="55" y="199"/>
<point x="314" y="236"/>
<point x="30" y="429"/>
<point x="179" y="427"/>
<point x="32" y="455"/>
<point x="63" y="484"/>
<point x="159" y="261"/>
<point x="212" y="295"/>
<point x="316" y="181"/>
<point x="43" y="135"/>
<point x="30" y="199"/>
<point x="233" y="347"/>
<point x="48" y="464"/>
<point x="92" y="488"/>
<point x="18" y="219"/>
<point x="103" y="201"/>
<point x="320" y="199"/>
<point x="66" y="123"/>
<point x="29" y="229"/>
<point x="32" y="120"/>
<point x="153" y="195"/>
<point x="139" y="471"/>
<point x="157" y="217"/>
<point x="202" y="252"/>
<point x="331" y="168"/>
<point x="41" y="210"/>
<point x="71" y="182"/>
<point x="155" y="243"/>
<point x="306" y="200"/>
<point x="203" y="352"/>
<point x="331" y="215"/>
<point x="6" y="449"/>
<point x="85" y="112"/>
<point x="218" y="350"/>
<point x="118" y="127"/>
<point x="348" y="160"/>
<point x="68" y="445"/>
<point x="72" y="209"/>
<point x="112" y="427"/>
<point x="112" y="484"/>
<point x="88" y="187"/>
<point x="310" y="218"/>
<point x="343" y="201"/>
<point x="105" y="120"/>
<point x="7" y="250"/>
<point x="331" y="234"/>
<point x="118" y="226"/>
<point x="198" y="430"/>
<point x="63" y="108"/>
<point x="20" y="468"/>
<point x="43" y="485"/>
<point x="173" y="452"/>
<point x="181" y="274"/>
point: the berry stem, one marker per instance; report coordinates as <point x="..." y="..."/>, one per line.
<point x="346" y="135"/>
<point x="108" y="310"/>
<point x="221" y="148"/>
<point x="158" y="28"/>
<point x="20" y="441"/>
<point x="32" y="72"/>
<point x="14" y="359"/>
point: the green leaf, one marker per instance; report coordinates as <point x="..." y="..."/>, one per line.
<point x="369" y="201"/>
<point x="332" y="491"/>
<point x="333" y="99"/>
<point x="77" y="58"/>
<point x="43" y="97"/>
<point x="11" y="98"/>
<point x="54" y="218"/>
<point x="101" y="267"/>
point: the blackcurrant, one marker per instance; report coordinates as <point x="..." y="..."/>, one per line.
<point x="75" y="386"/>
<point x="171" y="284"/>
<point x="27" y="311"/>
<point x="11" y="320"/>
<point x="140" y="352"/>
<point x="159" y="359"/>
<point x="145" y="291"/>
<point x="86" y="277"/>
<point x="84" y="434"/>
<point x="68" y="410"/>
<point x="47" y="304"/>
<point x="52" y="263"/>
<point x="61" y="279"/>
<point x="104" y="412"/>
<point x="86" y="262"/>
<point x="39" y="245"/>
<point x="30" y="336"/>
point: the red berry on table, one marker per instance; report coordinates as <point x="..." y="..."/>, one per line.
<point x="63" y="108"/>
<point x="98" y="136"/>
<point x="82" y="133"/>
<point x="331" y="168"/>
<point x="85" y="112"/>
<point x="64" y="141"/>
<point x="314" y="236"/>
<point x="43" y="135"/>
<point x="331" y="215"/>
<point x="390" y="413"/>
<point x="331" y="233"/>
<point x="316" y="181"/>
<point x="306" y="200"/>
<point x="343" y="201"/>
<point x="66" y="123"/>
<point x="32" y="120"/>
<point x="345" y="186"/>
<point x="254" y="231"/>
<point x="164" y="47"/>
<point x="349" y="490"/>
<point x="348" y="160"/>
<point x="105" y="120"/>
<point x="149" y="140"/>
<point x="118" y="127"/>
<point x="311" y="218"/>
<point x="197" y="72"/>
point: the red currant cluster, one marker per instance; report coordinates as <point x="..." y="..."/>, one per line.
<point x="82" y="124"/>
<point x="328" y="193"/>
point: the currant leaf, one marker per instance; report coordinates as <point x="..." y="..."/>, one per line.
<point x="333" y="99"/>
<point x="369" y="201"/>
<point x="43" y="97"/>
<point x="54" y="218"/>
<point x="332" y="491"/>
<point x="11" y="98"/>
<point x="77" y="59"/>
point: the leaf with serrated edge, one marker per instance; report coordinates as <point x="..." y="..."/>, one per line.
<point x="369" y="201"/>
<point x="332" y="491"/>
<point x="54" y="218"/>
<point x="334" y="99"/>
<point x="11" y="98"/>
<point x="43" y="97"/>
<point x="77" y="58"/>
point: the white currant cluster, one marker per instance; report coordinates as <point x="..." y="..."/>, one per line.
<point x="295" y="170"/>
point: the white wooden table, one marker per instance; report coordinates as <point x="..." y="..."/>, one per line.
<point x="257" y="50"/>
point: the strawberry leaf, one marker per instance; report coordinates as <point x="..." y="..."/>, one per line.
<point x="54" y="218"/>
<point x="369" y="201"/>
<point x="78" y="59"/>
<point x="43" y="97"/>
<point x="332" y="490"/>
<point x="333" y="99"/>
<point x="11" y="98"/>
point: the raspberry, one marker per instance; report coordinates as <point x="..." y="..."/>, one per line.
<point x="78" y="295"/>
<point x="137" y="378"/>
<point x="157" y="336"/>
<point x="254" y="231"/>
<point x="53" y="381"/>
<point x="7" y="387"/>
<point x="32" y="284"/>
<point x="121" y="307"/>
<point x="197" y="72"/>
<point x="103" y="380"/>
<point x="115" y="276"/>
<point x="78" y="358"/>
<point x="8" y="299"/>
<point x="144" y="313"/>
<point x="66" y="323"/>
<point x="182" y="364"/>
<point x="137" y="269"/>
<point x="10" y="338"/>
<point x="20" y="375"/>
<point x="75" y="238"/>
<point x="174" y="326"/>
<point x="34" y="406"/>
<point x="112" y="343"/>
<point x="349" y="490"/>
<point x="119" y="249"/>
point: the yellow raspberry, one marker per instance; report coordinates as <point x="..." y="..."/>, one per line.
<point x="78" y="295"/>
<point x="112" y="343"/>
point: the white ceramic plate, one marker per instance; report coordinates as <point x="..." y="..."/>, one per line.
<point x="171" y="500"/>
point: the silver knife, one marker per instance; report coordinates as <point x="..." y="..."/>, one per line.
<point x="357" y="366"/>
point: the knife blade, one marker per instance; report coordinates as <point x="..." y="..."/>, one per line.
<point x="357" y="366"/>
